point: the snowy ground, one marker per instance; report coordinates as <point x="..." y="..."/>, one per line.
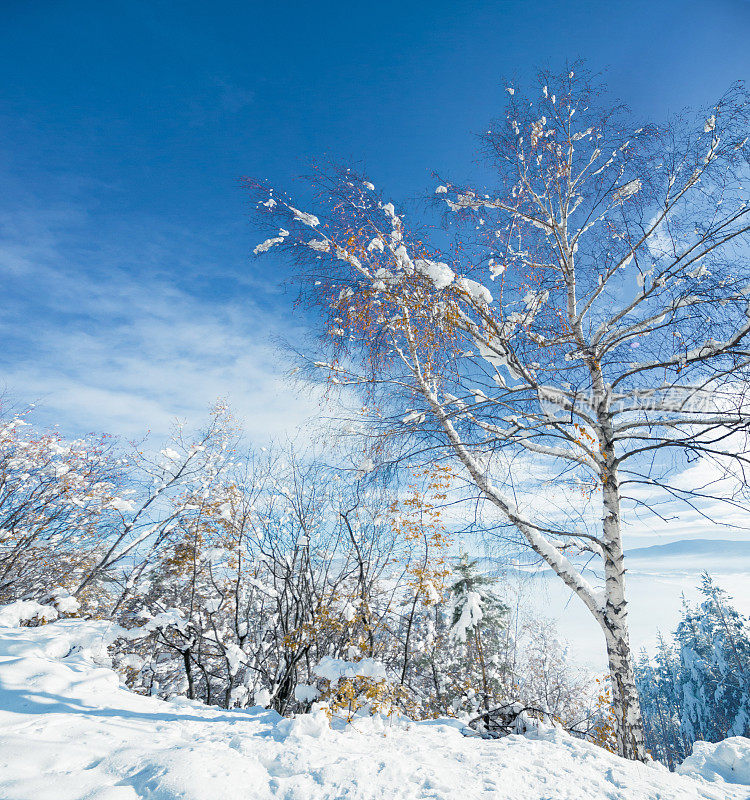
<point x="69" y="731"/>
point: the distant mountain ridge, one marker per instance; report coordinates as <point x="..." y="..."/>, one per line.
<point x="688" y="556"/>
<point x="717" y="548"/>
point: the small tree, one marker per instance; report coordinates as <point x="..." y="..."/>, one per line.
<point x="612" y="348"/>
<point x="417" y="522"/>
<point x="475" y="608"/>
<point x="56" y="500"/>
<point x="548" y="679"/>
<point x="161" y="495"/>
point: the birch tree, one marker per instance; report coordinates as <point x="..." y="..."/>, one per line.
<point x="586" y="326"/>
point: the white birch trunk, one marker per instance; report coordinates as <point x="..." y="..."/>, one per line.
<point x="614" y="623"/>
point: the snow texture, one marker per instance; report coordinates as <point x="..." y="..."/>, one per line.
<point x="25" y="611"/>
<point x="305" y="693"/>
<point x="438" y="272"/>
<point x="70" y="731"/>
<point x="726" y="761"/>
<point x="267" y="245"/>
<point x="471" y="616"/>
<point x="335" y="669"/>
<point x="477" y="292"/>
<point x="306" y="219"/>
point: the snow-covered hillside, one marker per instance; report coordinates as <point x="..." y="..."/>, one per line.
<point x="68" y="730"/>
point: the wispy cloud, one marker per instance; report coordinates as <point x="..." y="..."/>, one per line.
<point x="104" y="346"/>
<point x="233" y="97"/>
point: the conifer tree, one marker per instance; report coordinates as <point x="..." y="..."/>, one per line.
<point x="698" y="686"/>
<point x="475" y="611"/>
<point x="660" y="691"/>
<point x="715" y="654"/>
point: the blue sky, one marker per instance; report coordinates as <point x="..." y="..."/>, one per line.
<point x="129" y="292"/>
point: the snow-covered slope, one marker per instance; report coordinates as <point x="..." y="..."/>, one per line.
<point x="69" y="730"/>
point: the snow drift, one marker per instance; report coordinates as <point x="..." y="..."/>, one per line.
<point x="70" y="731"/>
<point x="725" y="761"/>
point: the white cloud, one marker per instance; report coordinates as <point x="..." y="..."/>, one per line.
<point x="161" y="355"/>
<point x="102" y="346"/>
